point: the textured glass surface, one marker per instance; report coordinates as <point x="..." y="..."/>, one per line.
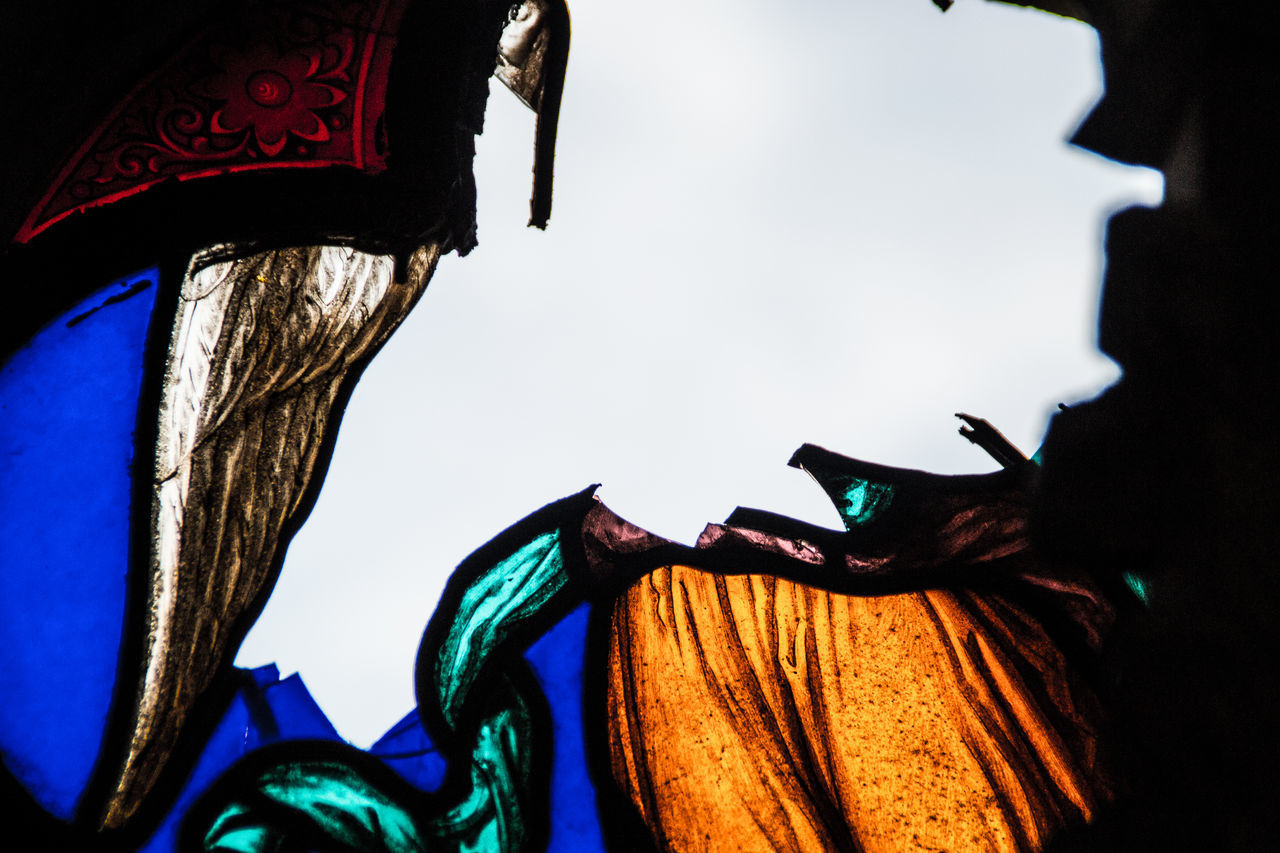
<point x="779" y="716"/>
<point x="336" y="799"/>
<point x="862" y="500"/>
<point x="743" y="709"/>
<point x="267" y="709"/>
<point x="491" y="817"/>
<point x="514" y="588"/>
<point x="259" y="354"/>
<point x="68" y="409"/>
<point x="1139" y="585"/>
<point x="499" y="599"/>
<point x="475" y="690"/>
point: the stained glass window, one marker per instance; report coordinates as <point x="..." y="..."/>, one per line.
<point x="583" y="683"/>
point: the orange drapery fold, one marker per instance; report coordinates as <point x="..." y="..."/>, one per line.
<point x="750" y="712"/>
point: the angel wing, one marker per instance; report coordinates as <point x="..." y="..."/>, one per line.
<point x="261" y="350"/>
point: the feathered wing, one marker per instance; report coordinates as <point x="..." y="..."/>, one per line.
<point x="260" y="349"/>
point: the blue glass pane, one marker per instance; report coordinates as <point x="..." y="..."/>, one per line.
<point x="296" y="714"/>
<point x="68" y="406"/>
<point x="407" y="749"/>
<point x="265" y="712"/>
<point x="557" y="660"/>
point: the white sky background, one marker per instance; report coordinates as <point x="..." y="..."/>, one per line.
<point x="834" y="221"/>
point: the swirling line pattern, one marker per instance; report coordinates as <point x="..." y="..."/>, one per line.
<point x="282" y="87"/>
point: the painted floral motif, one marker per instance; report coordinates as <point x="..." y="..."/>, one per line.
<point x="292" y="85"/>
<point x="274" y="95"/>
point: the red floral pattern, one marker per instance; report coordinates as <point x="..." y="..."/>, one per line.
<point x="274" y="95"/>
<point x="307" y="90"/>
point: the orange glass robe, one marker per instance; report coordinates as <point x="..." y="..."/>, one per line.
<point x="753" y="712"/>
